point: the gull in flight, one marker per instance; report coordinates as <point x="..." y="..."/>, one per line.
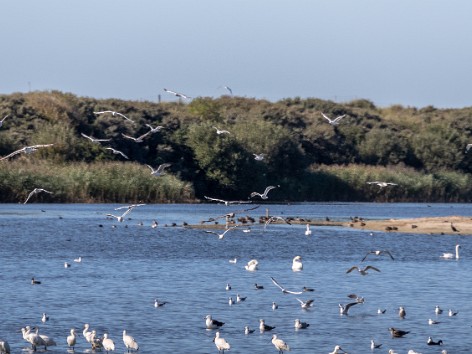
<point x="228" y="89"/>
<point x="275" y="218"/>
<point x="378" y="253"/>
<point x="122" y="217"/>
<point x="220" y="236"/>
<point x="177" y="94"/>
<point x="221" y="343"/>
<point x="228" y="202"/>
<point x="154" y="130"/>
<point x="1" y="121"/>
<point x="333" y="121"/>
<point x="117" y="152"/>
<point x="263" y="195"/>
<point x="285" y="291"/>
<point x="344" y="309"/>
<point x="467" y="148"/>
<point x="259" y="157"/>
<point x="113" y="113"/>
<point x="139" y="139"/>
<point x="279" y="344"/>
<point x="26" y="150"/>
<point x="382" y="184"/>
<point x="218" y="131"/>
<point x="94" y="140"/>
<point x="160" y="170"/>
<point x="129" y="206"/>
<point x="362" y="271"/>
<point x="36" y="191"/>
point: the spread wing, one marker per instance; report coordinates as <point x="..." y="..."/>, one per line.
<point x="351" y="269"/>
<point x="373" y="268"/>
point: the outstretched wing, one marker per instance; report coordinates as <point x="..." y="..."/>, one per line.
<point x="373" y="268"/>
<point x="351" y="269"/>
<point x="214" y="199"/>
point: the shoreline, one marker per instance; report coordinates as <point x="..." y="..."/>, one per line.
<point x="440" y="225"/>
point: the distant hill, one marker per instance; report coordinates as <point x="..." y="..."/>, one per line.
<point x="420" y="150"/>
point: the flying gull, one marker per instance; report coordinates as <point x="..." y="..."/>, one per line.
<point x="113" y="113"/>
<point x="285" y="291"/>
<point x="117" y="152"/>
<point x="26" y="150"/>
<point x="94" y="140"/>
<point x="160" y="170"/>
<point x="362" y="271"/>
<point x="333" y="121"/>
<point x="36" y="191"/>
<point x="177" y="94"/>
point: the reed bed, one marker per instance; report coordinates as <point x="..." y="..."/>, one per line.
<point x="99" y="182"/>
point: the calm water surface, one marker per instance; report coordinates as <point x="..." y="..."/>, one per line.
<point x="125" y="268"/>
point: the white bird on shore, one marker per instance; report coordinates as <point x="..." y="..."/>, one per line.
<point x="107" y="343"/>
<point x="36" y="191"/>
<point x="382" y="184"/>
<point x="177" y="94"/>
<point x="279" y="344"/>
<point x="113" y="113"/>
<point x="139" y="139"/>
<point x="452" y="255"/>
<point x="219" y="131"/>
<point x="87" y="334"/>
<point x="159" y="171"/>
<point x="1" y="121"/>
<point x="334" y="121"/>
<point x="130" y="342"/>
<point x="117" y="152"/>
<point x="71" y="339"/>
<point x="263" y="195"/>
<point x="297" y="264"/>
<point x="94" y="140"/>
<point x="26" y="150"/>
<point x="220" y="343"/>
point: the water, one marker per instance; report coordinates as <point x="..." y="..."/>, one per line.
<point x="124" y="269"/>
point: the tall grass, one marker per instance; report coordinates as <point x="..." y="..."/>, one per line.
<point x="98" y="182"/>
<point x="349" y="183"/>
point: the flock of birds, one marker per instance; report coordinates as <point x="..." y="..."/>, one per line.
<point x="37" y="340"/>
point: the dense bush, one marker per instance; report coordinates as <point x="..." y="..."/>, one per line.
<point x="423" y="150"/>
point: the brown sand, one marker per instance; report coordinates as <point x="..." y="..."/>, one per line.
<point x="430" y="225"/>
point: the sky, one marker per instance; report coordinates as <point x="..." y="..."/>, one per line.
<point x="408" y="52"/>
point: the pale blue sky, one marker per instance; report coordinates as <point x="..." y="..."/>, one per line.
<point x="409" y="52"/>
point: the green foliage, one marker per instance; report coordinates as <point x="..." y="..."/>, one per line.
<point x="423" y="150"/>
